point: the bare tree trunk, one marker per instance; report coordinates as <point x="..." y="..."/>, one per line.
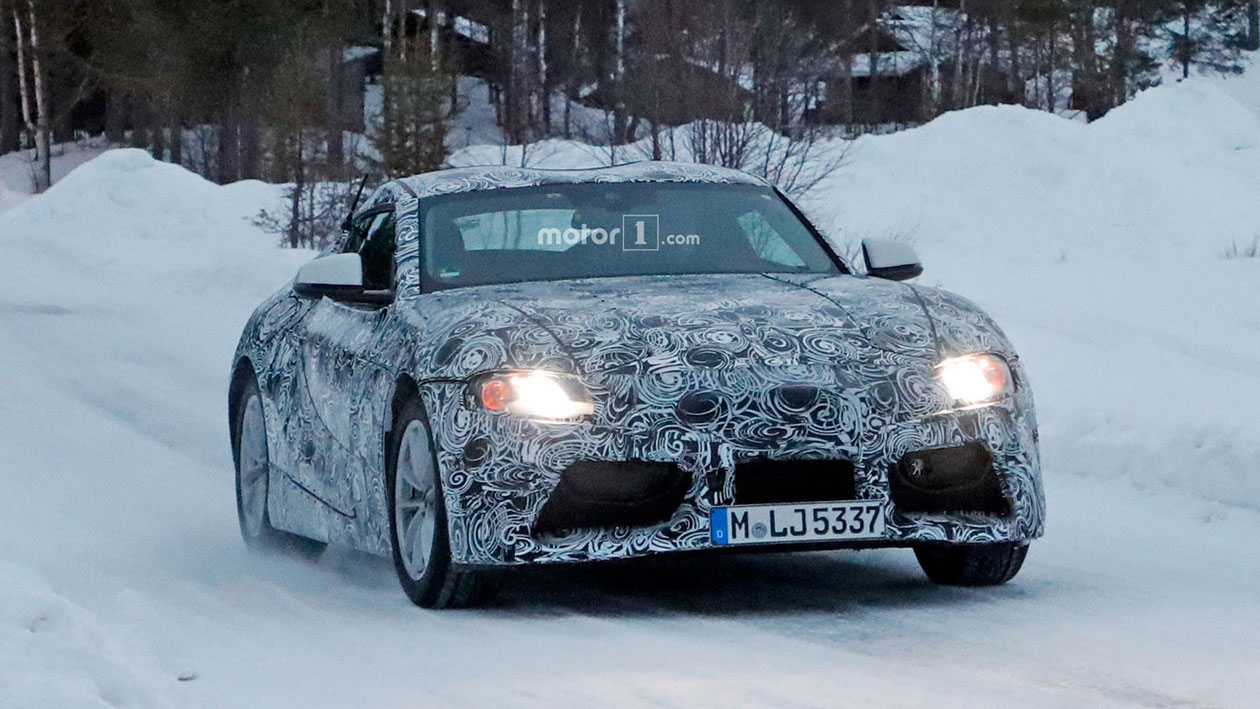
<point x="403" y="8"/>
<point x="1253" y="25"/>
<point x="992" y="91"/>
<point x="971" y="64"/>
<point x="573" y="57"/>
<point x="544" y="94"/>
<point x="512" y="118"/>
<point x="10" y="138"/>
<point x="933" y="93"/>
<point x="295" y="196"/>
<point x="874" y="90"/>
<point x="1185" y="41"/>
<point x="1036" y="72"/>
<point x="1050" y="67"/>
<point x="157" y="143"/>
<point x="1015" y="43"/>
<point x="846" y="88"/>
<point x="251" y="150"/>
<point x="140" y="124"/>
<point x="43" y="147"/>
<point x="28" y="119"/>
<point x="619" y="75"/>
<point x="434" y="9"/>
<point x="177" y="139"/>
<point x="956" y="82"/>
<point x="1120" y="60"/>
<point x="336" y="105"/>
<point x="229" y="149"/>
<point x="115" y="117"/>
<point x="387" y="30"/>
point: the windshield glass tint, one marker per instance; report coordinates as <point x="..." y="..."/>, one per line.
<point x="623" y="229"/>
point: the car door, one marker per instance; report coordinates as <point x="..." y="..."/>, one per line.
<point x="336" y="339"/>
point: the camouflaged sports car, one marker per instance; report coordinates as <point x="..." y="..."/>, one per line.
<point x="499" y="366"/>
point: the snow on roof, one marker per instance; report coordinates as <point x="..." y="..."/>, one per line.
<point x="887" y="63"/>
<point x="472" y="30"/>
<point x="352" y="54"/>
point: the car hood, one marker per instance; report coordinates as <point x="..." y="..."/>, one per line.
<point x="709" y="322"/>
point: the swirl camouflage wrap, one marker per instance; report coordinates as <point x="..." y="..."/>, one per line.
<point x="704" y="371"/>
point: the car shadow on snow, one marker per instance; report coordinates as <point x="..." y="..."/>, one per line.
<point x="696" y="584"/>
<point x="726" y="584"/>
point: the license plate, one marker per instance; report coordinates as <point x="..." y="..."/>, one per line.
<point x="801" y="522"/>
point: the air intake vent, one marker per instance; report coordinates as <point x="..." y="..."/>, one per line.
<point x="630" y="493"/>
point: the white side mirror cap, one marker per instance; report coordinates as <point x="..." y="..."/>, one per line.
<point x="337" y="274"/>
<point x="894" y="260"/>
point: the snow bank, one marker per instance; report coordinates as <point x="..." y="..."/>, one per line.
<point x="17" y="169"/>
<point x="131" y="220"/>
<point x="1167" y="177"/>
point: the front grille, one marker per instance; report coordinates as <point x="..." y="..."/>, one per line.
<point x="762" y="482"/>
<point x="595" y="493"/>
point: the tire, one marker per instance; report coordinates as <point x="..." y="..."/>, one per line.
<point x="253" y="480"/>
<point x="417" y="518"/>
<point x="971" y="564"/>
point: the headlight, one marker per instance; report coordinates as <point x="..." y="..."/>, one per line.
<point x="534" y="394"/>
<point x="975" y="380"/>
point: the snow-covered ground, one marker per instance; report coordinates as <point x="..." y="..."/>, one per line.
<point x="1099" y="247"/>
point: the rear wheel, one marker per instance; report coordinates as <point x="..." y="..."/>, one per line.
<point x="971" y="564"/>
<point x="421" y="545"/>
<point x="252" y="481"/>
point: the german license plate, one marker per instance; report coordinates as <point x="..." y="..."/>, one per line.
<point x="801" y="522"/>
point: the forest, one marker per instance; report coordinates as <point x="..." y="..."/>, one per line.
<point x="320" y="91"/>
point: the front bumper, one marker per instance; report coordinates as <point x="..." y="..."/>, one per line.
<point x="500" y="472"/>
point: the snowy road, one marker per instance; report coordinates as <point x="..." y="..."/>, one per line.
<point x="127" y="574"/>
<point x="123" y="581"/>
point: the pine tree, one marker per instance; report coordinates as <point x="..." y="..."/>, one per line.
<point x="1207" y="34"/>
<point x="412" y="136"/>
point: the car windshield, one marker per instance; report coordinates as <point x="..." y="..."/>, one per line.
<point x="614" y="229"/>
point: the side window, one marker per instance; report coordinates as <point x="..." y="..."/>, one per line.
<point x="766" y="240"/>
<point x="378" y="253"/>
<point x="358" y="233"/>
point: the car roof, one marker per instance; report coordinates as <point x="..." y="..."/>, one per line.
<point x="491" y="177"/>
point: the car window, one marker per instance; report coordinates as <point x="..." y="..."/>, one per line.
<point x="592" y="230"/>
<point x="378" y="253"/>
<point x="358" y="233"/>
<point x="767" y="241"/>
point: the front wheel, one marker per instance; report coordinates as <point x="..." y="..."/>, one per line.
<point x="971" y="564"/>
<point x="253" y="468"/>
<point x="421" y="546"/>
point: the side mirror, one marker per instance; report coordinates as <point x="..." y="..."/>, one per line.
<point x="894" y="260"/>
<point x="338" y="276"/>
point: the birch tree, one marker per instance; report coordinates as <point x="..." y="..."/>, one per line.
<point x="29" y="60"/>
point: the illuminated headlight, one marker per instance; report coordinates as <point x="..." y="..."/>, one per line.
<point x="542" y="395"/>
<point x="976" y="380"/>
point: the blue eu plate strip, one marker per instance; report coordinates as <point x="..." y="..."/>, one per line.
<point x="717" y="526"/>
